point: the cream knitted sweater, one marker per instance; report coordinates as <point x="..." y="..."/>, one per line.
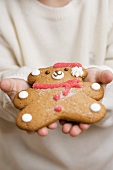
<point x="33" y="35"/>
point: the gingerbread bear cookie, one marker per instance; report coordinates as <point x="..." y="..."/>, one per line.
<point x="59" y="92"/>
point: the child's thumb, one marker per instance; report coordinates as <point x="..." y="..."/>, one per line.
<point x="9" y="87"/>
<point x="104" y="76"/>
<point x="12" y="86"/>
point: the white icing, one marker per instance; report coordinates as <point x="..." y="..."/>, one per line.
<point x="58" y="75"/>
<point x="36" y="72"/>
<point x="23" y="94"/>
<point x="77" y="71"/>
<point x="26" y="117"/>
<point x="95" y="107"/>
<point x="95" y="86"/>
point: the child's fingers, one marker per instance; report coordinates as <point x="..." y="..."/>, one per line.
<point x="78" y="129"/>
<point x="98" y="75"/>
<point x="74" y="130"/>
<point x="43" y="131"/>
<point x="66" y="128"/>
<point x="104" y="76"/>
<point x="6" y="85"/>
<point x="84" y="127"/>
<point x="71" y="129"/>
<point x="53" y="126"/>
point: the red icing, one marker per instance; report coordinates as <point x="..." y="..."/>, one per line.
<point x="60" y="65"/>
<point x="58" y="108"/>
<point x="56" y="97"/>
<point x="68" y="85"/>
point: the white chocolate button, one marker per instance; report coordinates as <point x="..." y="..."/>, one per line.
<point x="77" y="71"/>
<point x="26" y="117"/>
<point x="23" y="94"/>
<point x="58" y="75"/>
<point x="35" y="72"/>
<point x="95" y="86"/>
<point x="95" y="107"/>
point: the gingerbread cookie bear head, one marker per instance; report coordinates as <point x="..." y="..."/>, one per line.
<point x="59" y="72"/>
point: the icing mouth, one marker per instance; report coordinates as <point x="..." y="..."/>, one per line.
<point x="67" y="85"/>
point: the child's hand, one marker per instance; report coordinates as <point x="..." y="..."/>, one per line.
<point x="94" y="75"/>
<point x="11" y="87"/>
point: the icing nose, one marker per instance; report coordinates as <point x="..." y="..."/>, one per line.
<point x="58" y="74"/>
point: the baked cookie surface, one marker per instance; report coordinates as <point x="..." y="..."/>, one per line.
<point x="59" y="92"/>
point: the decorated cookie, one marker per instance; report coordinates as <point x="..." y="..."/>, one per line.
<point x="59" y="92"/>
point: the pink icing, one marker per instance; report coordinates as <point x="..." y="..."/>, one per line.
<point x="68" y="85"/>
<point x="56" y="97"/>
<point x="58" y="108"/>
<point x="60" y="65"/>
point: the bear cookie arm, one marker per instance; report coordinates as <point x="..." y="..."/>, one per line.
<point x="59" y="92"/>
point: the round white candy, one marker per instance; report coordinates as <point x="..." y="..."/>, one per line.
<point x="95" y="107"/>
<point x="35" y="72"/>
<point x="95" y="86"/>
<point x="23" y="94"/>
<point x="26" y="117"/>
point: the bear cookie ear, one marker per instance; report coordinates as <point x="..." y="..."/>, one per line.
<point x="33" y="76"/>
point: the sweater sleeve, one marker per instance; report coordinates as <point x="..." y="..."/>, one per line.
<point x="109" y="53"/>
<point x="9" y="68"/>
<point x="108" y="65"/>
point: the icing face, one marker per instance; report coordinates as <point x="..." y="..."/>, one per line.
<point x="95" y="86"/>
<point x="58" y="74"/>
<point x="23" y="94"/>
<point x="36" y="72"/>
<point x="77" y="71"/>
<point x="26" y="117"/>
<point x="95" y="107"/>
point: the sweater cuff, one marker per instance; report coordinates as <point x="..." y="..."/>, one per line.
<point x="21" y="73"/>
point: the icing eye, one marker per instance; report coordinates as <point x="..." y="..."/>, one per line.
<point x="27" y="117"/>
<point x="47" y="72"/>
<point x="35" y="72"/>
<point x="66" y="69"/>
<point x="77" y="71"/>
<point x="23" y="94"/>
<point x="58" y="74"/>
